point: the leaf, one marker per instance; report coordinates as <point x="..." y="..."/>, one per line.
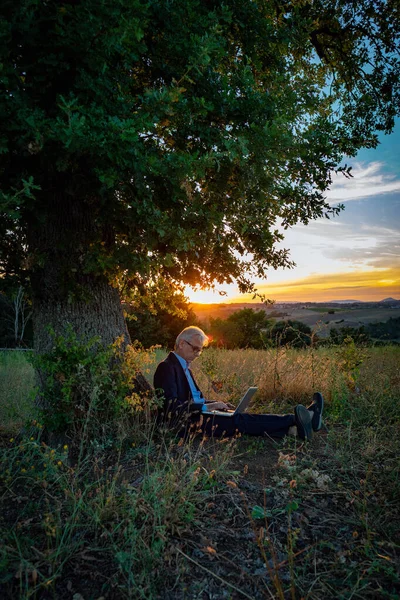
<point x="259" y="513"/>
<point x="292" y="506"/>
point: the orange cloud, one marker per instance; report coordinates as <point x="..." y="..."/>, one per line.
<point x="358" y="285"/>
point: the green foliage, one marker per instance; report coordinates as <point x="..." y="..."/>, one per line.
<point x="258" y="512"/>
<point x="370" y="334"/>
<point x="248" y="328"/>
<point x="350" y="359"/>
<point x="158" y="314"/>
<point x="350" y="356"/>
<point x="388" y="331"/>
<point x="6" y="317"/>
<point x="359" y="335"/>
<point x="242" y="329"/>
<point x="154" y="137"/>
<point x="87" y="391"/>
<point x="290" y="333"/>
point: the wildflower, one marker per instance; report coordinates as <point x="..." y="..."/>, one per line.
<point x="59" y="463"/>
<point x="11" y="440"/>
<point x="231" y="484"/>
<point x="32" y="439"/>
<point x="195" y="474"/>
<point x="65" y="448"/>
<point x="355" y="534"/>
<point x="23" y="470"/>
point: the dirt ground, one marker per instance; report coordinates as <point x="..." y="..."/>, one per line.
<point x="237" y="552"/>
<point x="278" y="522"/>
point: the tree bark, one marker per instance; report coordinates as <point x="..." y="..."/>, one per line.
<point x="65" y="293"/>
<point x="64" y="289"/>
<point x="99" y="315"/>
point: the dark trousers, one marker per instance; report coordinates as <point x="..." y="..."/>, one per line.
<point x="249" y="424"/>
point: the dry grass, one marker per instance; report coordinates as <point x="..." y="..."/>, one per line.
<point x="287" y="376"/>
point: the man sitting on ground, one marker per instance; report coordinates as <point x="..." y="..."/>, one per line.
<point x="183" y="400"/>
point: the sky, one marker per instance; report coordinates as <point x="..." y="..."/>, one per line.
<point x="353" y="256"/>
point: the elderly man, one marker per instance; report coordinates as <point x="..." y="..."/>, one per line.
<point x="183" y="400"/>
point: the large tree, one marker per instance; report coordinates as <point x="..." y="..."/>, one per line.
<point x="152" y="138"/>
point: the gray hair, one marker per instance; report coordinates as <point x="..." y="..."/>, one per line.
<point x="189" y="332"/>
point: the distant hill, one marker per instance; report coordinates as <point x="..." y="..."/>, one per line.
<point x="321" y="316"/>
<point x="343" y="302"/>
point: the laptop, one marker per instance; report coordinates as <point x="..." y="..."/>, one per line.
<point x="241" y="407"/>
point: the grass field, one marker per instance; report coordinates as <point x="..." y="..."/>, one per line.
<point x="17" y="381"/>
<point x="148" y="516"/>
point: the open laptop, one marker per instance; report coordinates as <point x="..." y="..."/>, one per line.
<point x="241" y="407"/>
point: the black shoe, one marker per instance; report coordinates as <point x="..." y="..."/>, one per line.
<point x="317" y="407"/>
<point x="303" y="422"/>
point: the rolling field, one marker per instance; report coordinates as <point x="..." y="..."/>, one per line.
<point x="322" y="321"/>
<point x="148" y="516"/>
<point x="319" y="317"/>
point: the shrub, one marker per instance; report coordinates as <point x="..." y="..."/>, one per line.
<point x="89" y="391"/>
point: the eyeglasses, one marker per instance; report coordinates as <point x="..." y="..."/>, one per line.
<point x="197" y="349"/>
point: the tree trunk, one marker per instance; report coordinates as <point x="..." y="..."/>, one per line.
<point x="65" y="290"/>
<point x="99" y="315"/>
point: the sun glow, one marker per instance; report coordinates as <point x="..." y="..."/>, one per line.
<point x="209" y="296"/>
<point x="372" y="285"/>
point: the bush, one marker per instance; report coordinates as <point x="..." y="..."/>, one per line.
<point x="87" y="391"/>
<point x="242" y="329"/>
<point x="290" y="333"/>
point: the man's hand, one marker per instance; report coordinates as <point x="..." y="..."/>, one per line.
<point x="218" y="406"/>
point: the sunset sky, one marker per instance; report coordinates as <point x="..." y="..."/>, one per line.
<point x="353" y="256"/>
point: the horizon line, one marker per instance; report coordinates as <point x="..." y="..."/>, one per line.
<point x="333" y="301"/>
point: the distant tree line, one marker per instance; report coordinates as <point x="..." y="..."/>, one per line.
<point x="248" y="328"/>
<point x="373" y="333"/>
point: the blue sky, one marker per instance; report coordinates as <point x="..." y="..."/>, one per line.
<point x="353" y="256"/>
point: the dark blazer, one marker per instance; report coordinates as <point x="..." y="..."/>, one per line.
<point x="171" y="384"/>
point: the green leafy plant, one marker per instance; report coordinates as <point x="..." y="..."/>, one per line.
<point x="87" y="390"/>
